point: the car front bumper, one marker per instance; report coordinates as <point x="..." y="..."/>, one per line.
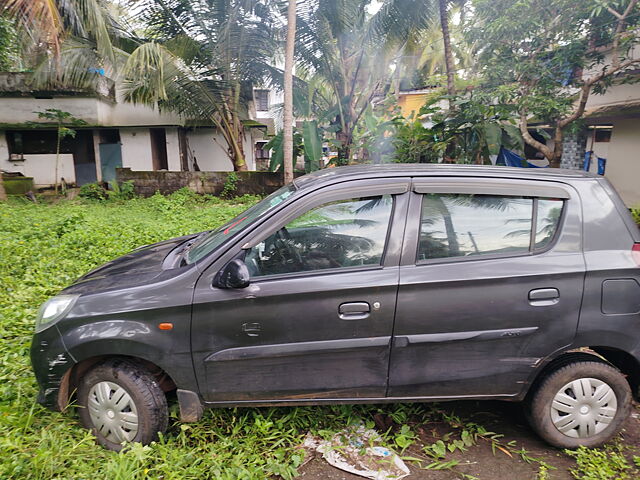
<point x="50" y="362"/>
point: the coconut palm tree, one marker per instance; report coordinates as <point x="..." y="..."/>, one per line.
<point x="198" y="58"/>
<point x="448" y="54"/>
<point x="354" y="51"/>
<point x="288" y="92"/>
<point x="203" y="58"/>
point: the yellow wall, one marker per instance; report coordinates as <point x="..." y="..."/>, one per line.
<point x="411" y="103"/>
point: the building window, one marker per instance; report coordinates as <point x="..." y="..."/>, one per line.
<point x="262" y="100"/>
<point x="602" y="136"/>
<point x="37" y="142"/>
<point x="261" y="152"/>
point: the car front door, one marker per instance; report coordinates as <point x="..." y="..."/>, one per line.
<point x="490" y="284"/>
<point x="316" y="321"/>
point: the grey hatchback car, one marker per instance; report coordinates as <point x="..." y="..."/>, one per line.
<point x="393" y="283"/>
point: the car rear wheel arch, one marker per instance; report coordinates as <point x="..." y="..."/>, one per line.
<point x="623" y="361"/>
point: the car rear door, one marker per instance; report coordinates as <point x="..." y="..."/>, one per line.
<point x="317" y="320"/>
<point x="482" y="300"/>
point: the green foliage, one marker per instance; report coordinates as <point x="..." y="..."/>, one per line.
<point x="276" y="145"/>
<point x="92" y="191"/>
<point x="635" y="212"/>
<point x="312" y="136"/>
<point x="121" y="191"/>
<point x="472" y="130"/>
<point x="607" y="463"/>
<point x="230" y="185"/>
<point x="10" y="51"/>
<point x="544" y="61"/>
<point x="377" y="132"/>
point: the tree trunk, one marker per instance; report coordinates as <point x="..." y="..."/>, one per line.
<point x="558" y="148"/>
<point x="288" y="94"/>
<point x="57" y="161"/>
<point x="3" y="192"/>
<point x="448" y="54"/>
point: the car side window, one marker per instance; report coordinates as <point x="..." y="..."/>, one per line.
<point x="342" y="234"/>
<point x="461" y="225"/>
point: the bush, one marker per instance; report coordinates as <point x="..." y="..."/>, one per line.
<point x="230" y="185"/>
<point x="122" y="191"/>
<point x="636" y="214"/>
<point x="93" y="191"/>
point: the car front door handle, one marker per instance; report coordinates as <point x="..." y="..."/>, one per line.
<point x="251" y="329"/>
<point x="354" y="311"/>
<point x="541" y="297"/>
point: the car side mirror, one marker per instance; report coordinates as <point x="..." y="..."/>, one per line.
<point x="234" y="274"/>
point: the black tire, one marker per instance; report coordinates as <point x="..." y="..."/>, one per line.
<point x="144" y="395"/>
<point x="540" y="405"/>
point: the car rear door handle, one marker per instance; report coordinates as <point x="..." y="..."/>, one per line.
<point x="354" y="311"/>
<point x="541" y="297"/>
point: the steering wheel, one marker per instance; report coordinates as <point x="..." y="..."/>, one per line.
<point x="285" y="244"/>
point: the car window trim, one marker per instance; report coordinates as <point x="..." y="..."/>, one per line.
<point x="394" y="202"/>
<point x="310" y="202"/>
<point x="315" y="273"/>
<point x="482" y="187"/>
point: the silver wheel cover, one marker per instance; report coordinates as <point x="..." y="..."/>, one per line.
<point x="583" y="408"/>
<point x="113" y="412"/>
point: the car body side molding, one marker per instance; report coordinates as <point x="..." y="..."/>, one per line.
<point x="298" y="348"/>
<point x="406" y="340"/>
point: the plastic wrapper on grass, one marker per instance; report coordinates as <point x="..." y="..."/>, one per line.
<point x="357" y="450"/>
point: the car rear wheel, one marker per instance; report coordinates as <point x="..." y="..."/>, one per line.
<point x="582" y="403"/>
<point x="121" y="402"/>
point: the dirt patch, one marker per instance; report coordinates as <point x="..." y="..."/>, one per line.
<point x="481" y="461"/>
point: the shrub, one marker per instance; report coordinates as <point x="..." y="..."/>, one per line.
<point x="93" y="191"/>
<point x="122" y="191"/>
<point x="230" y="186"/>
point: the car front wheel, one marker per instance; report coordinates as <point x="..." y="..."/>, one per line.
<point x="581" y="404"/>
<point x="121" y="402"/>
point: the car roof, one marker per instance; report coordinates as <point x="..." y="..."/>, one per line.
<point x="339" y="174"/>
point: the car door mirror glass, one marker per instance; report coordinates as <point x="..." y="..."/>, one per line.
<point x="235" y="274"/>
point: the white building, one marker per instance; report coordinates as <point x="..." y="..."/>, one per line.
<point x="116" y="134"/>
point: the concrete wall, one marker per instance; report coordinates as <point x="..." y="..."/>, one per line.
<point x="623" y="162"/>
<point x="128" y="114"/>
<point x="40" y="167"/>
<point x="21" y="109"/>
<point x="209" y="150"/>
<point x="147" y="183"/>
<point x="136" y="148"/>
<point x="173" y="150"/>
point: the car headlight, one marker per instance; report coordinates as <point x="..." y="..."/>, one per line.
<point x="53" y="310"/>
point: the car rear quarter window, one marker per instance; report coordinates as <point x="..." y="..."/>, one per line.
<point x="547" y="221"/>
<point x="468" y="225"/>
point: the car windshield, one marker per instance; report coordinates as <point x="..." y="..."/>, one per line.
<point x="212" y="240"/>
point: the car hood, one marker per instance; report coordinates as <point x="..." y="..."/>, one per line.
<point x="143" y="265"/>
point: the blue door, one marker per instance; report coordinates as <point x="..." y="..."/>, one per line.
<point x="110" y="159"/>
